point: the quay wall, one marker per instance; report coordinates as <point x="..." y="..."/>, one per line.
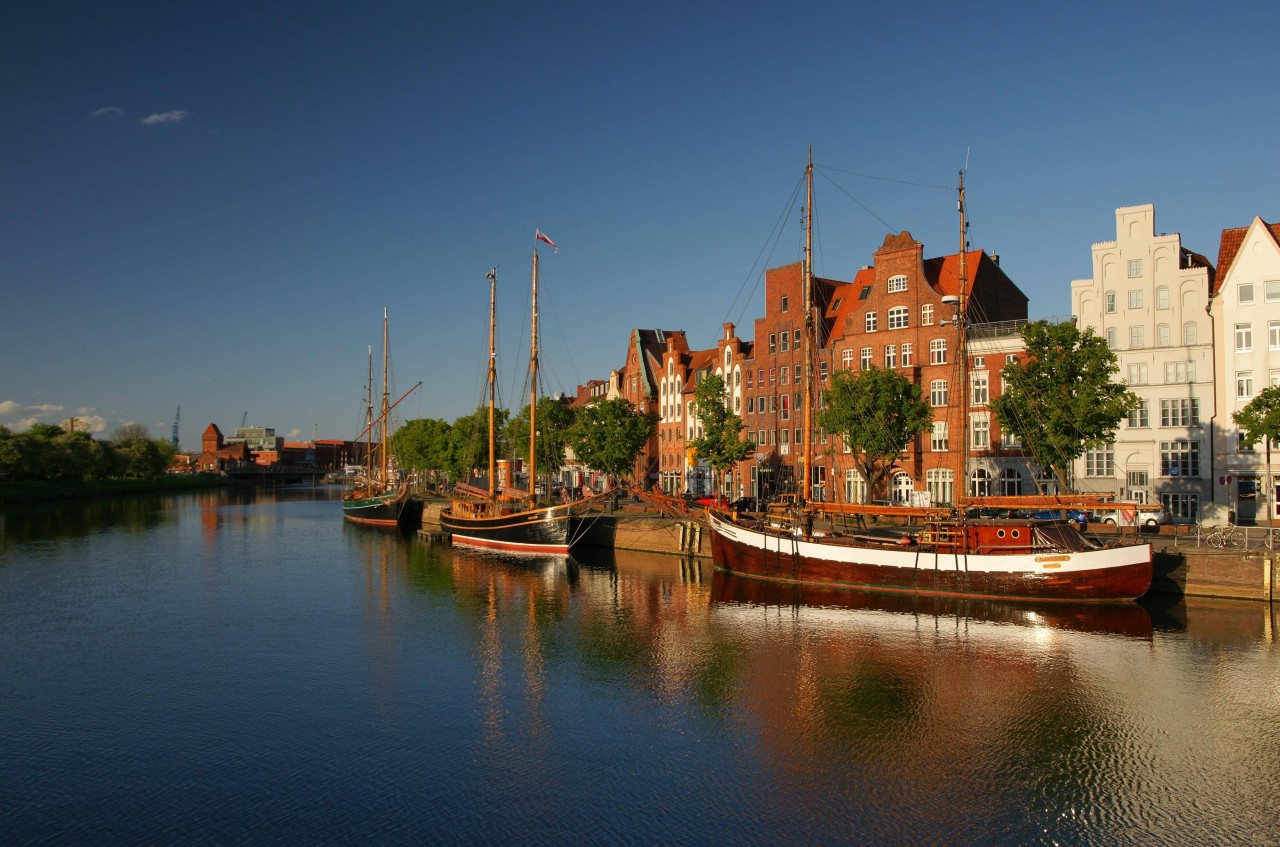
<point x="647" y="533"/>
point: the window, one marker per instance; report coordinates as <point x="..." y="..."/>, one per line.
<point x="1273" y="378"/>
<point x="938" y="351"/>
<point x="785" y="372"/>
<point x="898" y="317"/>
<point x="979" y="361"/>
<point x="1137" y="336"/>
<point x="1271" y="290"/>
<point x="795" y="339"/>
<point x="1140" y="417"/>
<point x="979" y="390"/>
<point x="751" y="405"/>
<point x="1137" y="373"/>
<point x="846" y="359"/>
<point x="980" y="483"/>
<point x="1179" y="372"/>
<point x="938" y="441"/>
<point x="1164" y="337"/>
<point x="1273" y="335"/>
<point x="938" y="393"/>
<point x="1244" y="338"/>
<point x="1243" y="446"/>
<point x="1100" y="462"/>
<point x="773" y="343"/>
<point x="1180" y="458"/>
<point x="773" y="376"/>
<point x="1162" y="297"/>
<point x="822" y="370"/>
<point x="784" y="302"/>
<point x="785" y="411"/>
<point x="1244" y="293"/>
<point x="926" y="314"/>
<point x="786" y="342"/>
<point x="890" y="355"/>
<point x="1244" y="385"/>
<point x="871" y="321"/>
<point x="1135" y="268"/>
<point x="1009" y="438"/>
<point x="1190" y="333"/>
<point x="796" y="371"/>
<point x="862" y="295"/>
<point x="865" y="358"/>
<point x="1111" y="337"/>
<point x="1182" y="506"/>
<point x="1135" y="299"/>
<point x="1182" y="411"/>
<point x="980" y="432"/>
<point x="941" y="485"/>
<point x="1010" y="482"/>
<point x="908" y="355"/>
<point x="897" y="282"/>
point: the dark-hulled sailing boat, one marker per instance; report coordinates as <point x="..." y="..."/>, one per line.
<point x="380" y="496"/>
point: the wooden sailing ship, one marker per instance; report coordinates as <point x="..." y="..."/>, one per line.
<point x="379" y="497"/>
<point x="947" y="553"/>
<point x="502" y="517"/>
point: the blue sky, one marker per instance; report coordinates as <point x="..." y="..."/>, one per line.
<point x="209" y="205"/>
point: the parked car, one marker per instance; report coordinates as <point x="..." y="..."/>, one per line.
<point x="1144" y="516"/>
<point x="1078" y="515"/>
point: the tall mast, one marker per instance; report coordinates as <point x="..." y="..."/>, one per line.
<point x="492" y="276"/>
<point x="808" y="343"/>
<point x="533" y="379"/>
<point x="368" y="421"/>
<point x="386" y="400"/>
<point x="962" y="328"/>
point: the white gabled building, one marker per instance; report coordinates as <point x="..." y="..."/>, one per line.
<point x="1246" y="316"/>
<point x="1149" y="299"/>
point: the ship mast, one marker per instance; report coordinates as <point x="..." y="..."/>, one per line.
<point x="386" y="400"/>
<point x="962" y="328"/>
<point x="808" y="342"/>
<point x="533" y="379"/>
<point x="368" y="422"/>
<point x="492" y="276"/>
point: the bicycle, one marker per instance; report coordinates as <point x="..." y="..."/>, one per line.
<point x="1225" y="536"/>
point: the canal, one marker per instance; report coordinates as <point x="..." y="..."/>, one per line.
<point x="240" y="667"/>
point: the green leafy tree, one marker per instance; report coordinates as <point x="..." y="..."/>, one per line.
<point x="469" y="442"/>
<point x="720" y="442"/>
<point x="1063" y="398"/>
<point x="1261" y="417"/>
<point x="555" y="417"/>
<point x="142" y="458"/>
<point x="423" y="444"/>
<point x="607" y="435"/>
<point x="875" y="413"/>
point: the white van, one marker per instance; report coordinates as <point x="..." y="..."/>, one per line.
<point x="1144" y="516"/>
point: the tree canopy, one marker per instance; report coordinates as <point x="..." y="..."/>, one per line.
<point x="875" y="413"/>
<point x="555" y="417"/>
<point x="607" y="435"/>
<point x="1261" y="417"/>
<point x="1063" y="398"/>
<point x="720" y="441"/>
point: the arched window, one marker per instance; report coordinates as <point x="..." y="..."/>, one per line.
<point x="1010" y="482"/>
<point x="980" y="483"/>
<point x="897" y="282"/>
<point x="901" y="488"/>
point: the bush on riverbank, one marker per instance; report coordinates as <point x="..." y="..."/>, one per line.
<point x="26" y="491"/>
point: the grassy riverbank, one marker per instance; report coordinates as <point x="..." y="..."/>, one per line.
<point x="16" y="493"/>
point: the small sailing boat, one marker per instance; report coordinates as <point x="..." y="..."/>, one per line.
<point x="1010" y="558"/>
<point x="506" y="518"/>
<point x="380" y="497"/>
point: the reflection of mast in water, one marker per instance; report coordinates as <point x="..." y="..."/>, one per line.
<point x="491" y="666"/>
<point x="378" y="614"/>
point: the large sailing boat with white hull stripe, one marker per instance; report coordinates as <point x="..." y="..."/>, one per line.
<point x="947" y="554"/>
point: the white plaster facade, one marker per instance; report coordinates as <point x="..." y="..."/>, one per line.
<point x="1246" y="314"/>
<point x="1149" y="299"/>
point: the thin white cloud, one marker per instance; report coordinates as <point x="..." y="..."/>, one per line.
<point x="165" y="117"/>
<point x="46" y="409"/>
<point x="88" y="423"/>
<point x="9" y="407"/>
<point x="107" y="112"/>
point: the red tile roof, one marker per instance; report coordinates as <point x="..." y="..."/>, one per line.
<point x="1229" y="248"/>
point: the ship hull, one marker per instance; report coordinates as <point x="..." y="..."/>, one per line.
<point x="1092" y="575"/>
<point x="537" y="531"/>
<point x="391" y="510"/>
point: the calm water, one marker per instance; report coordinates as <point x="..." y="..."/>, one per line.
<point x="228" y="668"/>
